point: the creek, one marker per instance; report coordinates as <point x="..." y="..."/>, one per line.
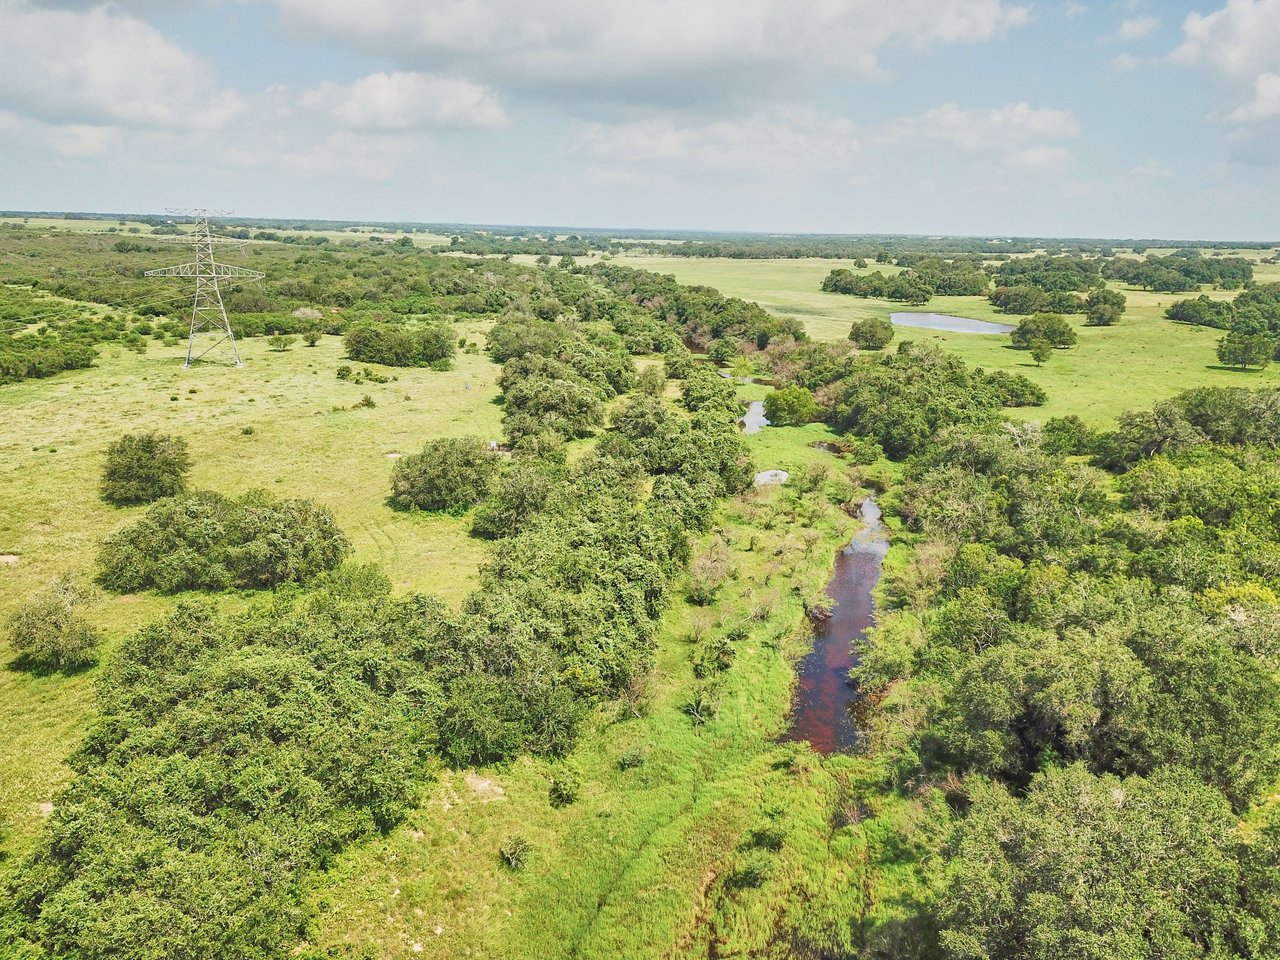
<point x="821" y="706"/>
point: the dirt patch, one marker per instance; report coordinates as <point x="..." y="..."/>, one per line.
<point x="483" y="787"/>
<point x="394" y="456"/>
<point x="45" y="809"/>
<point x="8" y="558"/>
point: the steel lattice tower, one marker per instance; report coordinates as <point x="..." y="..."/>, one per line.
<point x="210" y="328"/>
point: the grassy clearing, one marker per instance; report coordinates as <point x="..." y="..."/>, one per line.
<point x="52" y="437"/>
<point x="650" y="860"/>
<point x="1142" y="359"/>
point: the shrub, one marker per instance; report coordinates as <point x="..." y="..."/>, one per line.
<point x="49" y="631"/>
<point x="564" y="788"/>
<point x="449" y="475"/>
<point x="204" y="541"/>
<point x="280" y="342"/>
<point x="630" y="759"/>
<point x="311" y="337"/>
<point x="514" y="852"/>
<point x="143" y="467"/>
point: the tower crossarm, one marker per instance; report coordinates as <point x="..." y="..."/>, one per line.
<point x="222" y="271"/>
<point x="190" y="238"/>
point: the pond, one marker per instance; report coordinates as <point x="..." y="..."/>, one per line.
<point x="821" y="711"/>
<point x="754" y="420"/>
<point x="941" y="321"/>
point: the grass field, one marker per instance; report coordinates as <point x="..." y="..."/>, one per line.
<point x="1142" y="359"/>
<point x="52" y="437"/>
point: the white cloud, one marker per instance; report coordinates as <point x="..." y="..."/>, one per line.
<point x="794" y="139"/>
<point x="1137" y="27"/>
<point x="1151" y="169"/>
<point x="1265" y="103"/>
<point x="407" y="101"/>
<point x="98" y="67"/>
<point x="1239" y="40"/>
<point x="1016" y="137"/>
<point x="652" y="48"/>
<point x="980" y="131"/>
<point x="1125" y="62"/>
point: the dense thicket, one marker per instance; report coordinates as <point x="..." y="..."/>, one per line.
<point x="41" y="336"/>
<point x="1097" y="657"/>
<point x="1182" y="270"/>
<point x="1254" y="311"/>
<point x="426" y="345"/>
<point x="449" y="475"/>
<point x="205" y="541"/>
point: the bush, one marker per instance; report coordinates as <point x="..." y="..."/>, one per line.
<point x="311" y="337"/>
<point x="204" y="541"/>
<point x="514" y="852"/>
<point x="143" y="467"/>
<point x="564" y="788"/>
<point x="871" y="334"/>
<point x="49" y="631"/>
<point x="449" y="475"/>
<point x="280" y="342"/>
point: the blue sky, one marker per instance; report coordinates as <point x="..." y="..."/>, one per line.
<point x="1110" y="119"/>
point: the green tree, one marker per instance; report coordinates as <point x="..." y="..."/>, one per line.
<point x="280" y="342"/>
<point x="1094" y="868"/>
<point x="1052" y="328"/>
<point x="872" y="333"/>
<point x="1041" y="350"/>
<point x="791" y="406"/>
<point x="448" y="475"/>
<point x="142" y="467"/>
<point x="1245" y="350"/>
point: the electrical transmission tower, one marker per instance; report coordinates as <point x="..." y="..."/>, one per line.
<point x="210" y="329"/>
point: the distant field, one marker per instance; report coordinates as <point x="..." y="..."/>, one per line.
<point x="52" y="436"/>
<point x="1142" y="359"/>
<point x="104" y="226"/>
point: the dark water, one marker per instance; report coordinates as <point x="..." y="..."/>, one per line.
<point x="754" y="420"/>
<point x="940" y="321"/>
<point x="820" y="706"/>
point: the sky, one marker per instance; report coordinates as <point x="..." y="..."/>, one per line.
<point x="1121" y="118"/>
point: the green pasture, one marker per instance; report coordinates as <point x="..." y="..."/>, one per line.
<point x="1142" y="359"/>
<point x="305" y="440"/>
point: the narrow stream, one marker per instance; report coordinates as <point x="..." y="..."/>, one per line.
<point x="820" y="708"/>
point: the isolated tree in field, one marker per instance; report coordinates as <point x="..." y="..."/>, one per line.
<point x="872" y="333"/>
<point x="311" y="337"/>
<point x="448" y="475"/>
<point x="1052" y="328"/>
<point x="1041" y="350"/>
<point x="1245" y="350"/>
<point x="50" y="631"/>
<point x="142" y="467"/>
<point x="791" y="406"/>
<point x="281" y="342"/>
<point x="1101" y="315"/>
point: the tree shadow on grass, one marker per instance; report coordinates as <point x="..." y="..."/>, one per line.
<point x="1218" y="366"/>
<point x="26" y="664"/>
